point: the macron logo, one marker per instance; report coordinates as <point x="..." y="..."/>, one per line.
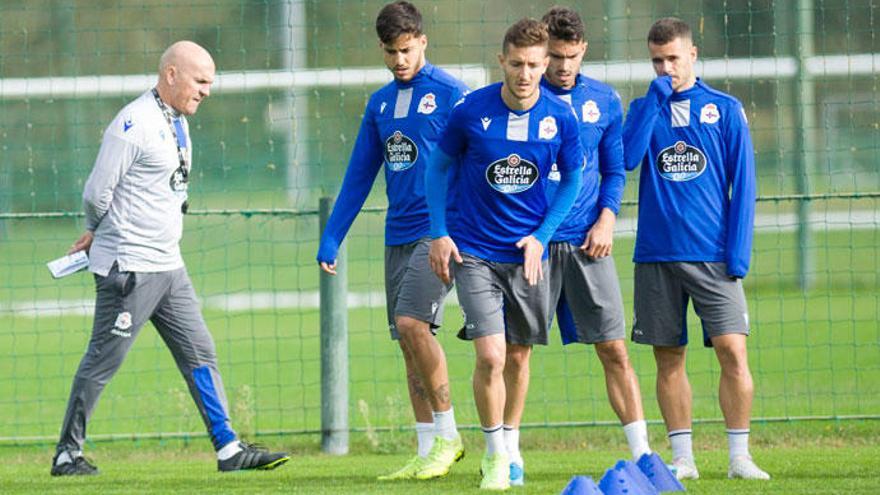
<point x="486" y="122"/>
<point x="127" y="125"/>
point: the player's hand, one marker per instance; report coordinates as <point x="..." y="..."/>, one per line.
<point x="83" y="243"/>
<point x="329" y="267"/>
<point x="533" y="251"/>
<point x="600" y="237"/>
<point x="442" y="249"/>
<point x="661" y="88"/>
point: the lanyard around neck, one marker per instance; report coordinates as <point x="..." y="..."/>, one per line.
<point x="180" y="141"/>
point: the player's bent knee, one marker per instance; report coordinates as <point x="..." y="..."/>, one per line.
<point x="670" y="360"/>
<point x="517" y="360"/>
<point x="736" y="366"/>
<point x="490" y="367"/>
<point x="613" y="354"/>
<point x="731" y="351"/>
<point x="409" y="327"/>
<point x="518" y="355"/>
<point x="491" y="361"/>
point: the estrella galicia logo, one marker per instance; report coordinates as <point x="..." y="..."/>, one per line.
<point x="512" y="174"/>
<point x="400" y="152"/>
<point x="681" y="162"/>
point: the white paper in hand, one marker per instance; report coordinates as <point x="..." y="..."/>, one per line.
<point x="67" y="265"/>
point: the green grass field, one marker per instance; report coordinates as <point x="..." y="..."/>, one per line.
<point x="813" y="353"/>
<point x="803" y="458"/>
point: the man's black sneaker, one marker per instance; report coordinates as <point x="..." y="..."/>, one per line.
<point x="79" y="466"/>
<point x="253" y="457"/>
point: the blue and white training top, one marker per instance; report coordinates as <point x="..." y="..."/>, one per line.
<point x="697" y="185"/>
<point x="503" y="159"/>
<point x="400" y="129"/>
<point x="600" y="114"/>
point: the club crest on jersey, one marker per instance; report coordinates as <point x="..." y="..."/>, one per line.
<point x="590" y="112"/>
<point x="709" y="114"/>
<point x="512" y="174"/>
<point x="547" y="128"/>
<point x="401" y="152"/>
<point x="681" y="162"/>
<point x="427" y="104"/>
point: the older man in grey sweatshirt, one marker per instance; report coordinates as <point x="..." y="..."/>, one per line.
<point x="134" y="201"/>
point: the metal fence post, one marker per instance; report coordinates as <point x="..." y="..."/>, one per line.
<point x="334" y="350"/>
<point x="805" y="128"/>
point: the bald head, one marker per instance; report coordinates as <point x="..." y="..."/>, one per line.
<point x="183" y="52"/>
<point x="186" y="72"/>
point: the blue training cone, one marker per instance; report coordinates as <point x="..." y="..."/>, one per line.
<point x="625" y="478"/>
<point x="659" y="474"/>
<point x="637" y="476"/>
<point x="581" y="485"/>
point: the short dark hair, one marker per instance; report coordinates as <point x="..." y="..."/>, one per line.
<point x="524" y="33"/>
<point x="564" y="24"/>
<point x="397" y="19"/>
<point x="668" y="29"/>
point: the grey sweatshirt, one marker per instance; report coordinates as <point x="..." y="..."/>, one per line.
<point x="133" y="196"/>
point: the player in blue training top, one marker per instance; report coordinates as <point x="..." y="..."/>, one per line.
<point x="401" y="126"/>
<point x="584" y="287"/>
<point x="696" y="214"/>
<point x="503" y="140"/>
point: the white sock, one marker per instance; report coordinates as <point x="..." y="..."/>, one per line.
<point x="425" y="434"/>
<point x="229" y="450"/>
<point x="494" y="439"/>
<point x="738" y="442"/>
<point x="682" y="445"/>
<point x="64" y="457"/>
<point x="511" y="441"/>
<point x="637" y="438"/>
<point x="444" y="424"/>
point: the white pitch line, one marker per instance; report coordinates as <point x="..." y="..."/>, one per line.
<point x="820" y="221"/>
